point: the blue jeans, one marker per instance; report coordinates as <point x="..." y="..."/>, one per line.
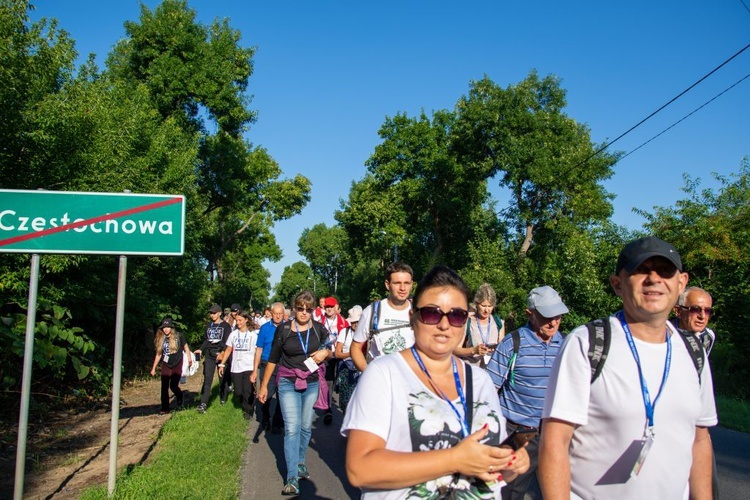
<point x="297" y="408"/>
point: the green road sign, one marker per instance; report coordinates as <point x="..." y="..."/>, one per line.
<point x="91" y="223"/>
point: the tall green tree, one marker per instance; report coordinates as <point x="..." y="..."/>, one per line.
<point x="326" y="252"/>
<point x="36" y="59"/>
<point x="198" y="75"/>
<point x="416" y="197"/>
<point x="543" y="157"/>
<point x="294" y="279"/>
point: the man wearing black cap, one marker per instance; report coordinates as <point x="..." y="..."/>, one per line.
<point x="214" y="340"/>
<point x="639" y="430"/>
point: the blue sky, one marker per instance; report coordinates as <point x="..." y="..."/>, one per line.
<point x="328" y="73"/>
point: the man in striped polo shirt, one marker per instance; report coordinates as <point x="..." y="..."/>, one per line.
<point x="520" y="368"/>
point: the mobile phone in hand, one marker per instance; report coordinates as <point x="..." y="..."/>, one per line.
<point x="197" y="356"/>
<point x="519" y="437"/>
<point x="491" y="346"/>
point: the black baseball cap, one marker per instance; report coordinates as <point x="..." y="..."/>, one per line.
<point x="235" y="307"/>
<point x="636" y="252"/>
<point x="214" y="308"/>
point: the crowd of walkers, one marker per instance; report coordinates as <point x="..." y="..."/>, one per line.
<point x="440" y="401"/>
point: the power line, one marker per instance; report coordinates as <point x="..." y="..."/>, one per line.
<point x="688" y="115"/>
<point x="663" y="106"/>
<point x="745" y="5"/>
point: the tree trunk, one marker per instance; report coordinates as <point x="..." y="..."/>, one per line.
<point x="527" y="240"/>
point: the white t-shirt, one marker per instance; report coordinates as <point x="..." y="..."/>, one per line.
<point x="345" y="338"/>
<point x="243" y="349"/>
<point x="611" y="415"/>
<point x="391" y="402"/>
<point x="391" y="340"/>
<point x="332" y="326"/>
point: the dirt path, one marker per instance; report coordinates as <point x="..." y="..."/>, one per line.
<point x="68" y="451"/>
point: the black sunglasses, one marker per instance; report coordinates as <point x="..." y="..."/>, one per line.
<point x="432" y="315"/>
<point x="708" y="311"/>
<point x="308" y="310"/>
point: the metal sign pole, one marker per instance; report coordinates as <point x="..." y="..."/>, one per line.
<point x="28" y="358"/>
<point x="117" y="375"/>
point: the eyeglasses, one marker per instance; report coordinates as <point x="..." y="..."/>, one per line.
<point x="308" y="310"/>
<point x="665" y="269"/>
<point x="708" y="311"/>
<point x="432" y="315"/>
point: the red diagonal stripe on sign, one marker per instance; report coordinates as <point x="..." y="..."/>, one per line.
<point x="93" y="220"/>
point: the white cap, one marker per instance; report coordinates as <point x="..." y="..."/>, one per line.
<point x="354" y="314"/>
<point x="547" y="301"/>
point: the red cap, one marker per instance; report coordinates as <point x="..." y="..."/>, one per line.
<point x="330" y="301"/>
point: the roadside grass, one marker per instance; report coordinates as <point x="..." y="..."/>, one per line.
<point x="733" y="413"/>
<point x="196" y="456"/>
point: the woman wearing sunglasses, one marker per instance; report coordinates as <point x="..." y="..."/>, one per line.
<point x="299" y="349"/>
<point x="422" y="423"/>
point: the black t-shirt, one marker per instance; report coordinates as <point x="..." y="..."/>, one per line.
<point x="215" y="338"/>
<point x="174" y="359"/>
<point x="287" y="349"/>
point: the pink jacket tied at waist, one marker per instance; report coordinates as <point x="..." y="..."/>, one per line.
<point x="300" y="376"/>
<point x="300" y="382"/>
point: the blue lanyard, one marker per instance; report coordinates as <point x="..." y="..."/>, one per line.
<point x="485" y="340"/>
<point x="242" y="342"/>
<point x="644" y="389"/>
<point x="306" y="343"/>
<point x="463" y="421"/>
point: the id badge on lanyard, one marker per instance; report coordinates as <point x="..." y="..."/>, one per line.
<point x="646" y="443"/>
<point x="648" y="431"/>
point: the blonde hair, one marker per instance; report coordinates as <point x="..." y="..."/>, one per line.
<point x="159" y="341"/>
<point x="485" y="292"/>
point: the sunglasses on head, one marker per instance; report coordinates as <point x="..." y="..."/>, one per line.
<point x="708" y="311"/>
<point x="308" y="310"/>
<point x="432" y="315"/>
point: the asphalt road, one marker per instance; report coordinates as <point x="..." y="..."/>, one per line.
<point x="732" y="451"/>
<point x="262" y="476"/>
<point x="263" y="472"/>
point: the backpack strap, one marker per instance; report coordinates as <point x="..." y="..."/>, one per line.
<point x="498" y="322"/>
<point x="695" y="349"/>
<point x="516" y="337"/>
<point x="375" y="317"/>
<point x="322" y="337"/>
<point x="286" y="327"/>
<point x="600" y="337"/>
<point x="469" y="395"/>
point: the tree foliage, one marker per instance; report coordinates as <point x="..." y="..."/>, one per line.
<point x="325" y="251"/>
<point x="545" y="158"/>
<point x="294" y="279"/>
<point x="168" y="114"/>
